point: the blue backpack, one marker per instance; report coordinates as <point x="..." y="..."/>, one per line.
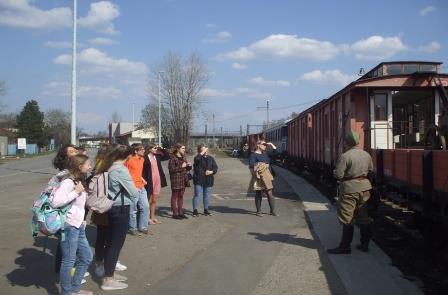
<point x="46" y="219"/>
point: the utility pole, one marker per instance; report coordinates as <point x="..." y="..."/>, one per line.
<point x="222" y="139"/>
<point x="73" y="127"/>
<point x="213" y="130"/>
<point x="206" y="141"/>
<point x="133" y="117"/>
<point x="247" y="129"/>
<point x="160" y="106"/>
<point x="267" y="113"/>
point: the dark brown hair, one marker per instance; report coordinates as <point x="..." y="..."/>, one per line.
<point x="176" y="149"/>
<point x="135" y="147"/>
<point x="200" y="146"/>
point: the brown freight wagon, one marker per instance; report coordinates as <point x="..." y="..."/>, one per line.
<point x="394" y="108"/>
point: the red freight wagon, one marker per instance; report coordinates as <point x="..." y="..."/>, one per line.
<point x="393" y="107"/>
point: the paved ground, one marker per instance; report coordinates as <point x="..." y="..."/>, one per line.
<point x="232" y="252"/>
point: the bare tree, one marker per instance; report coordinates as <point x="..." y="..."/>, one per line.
<point x="181" y="83"/>
<point x="150" y="120"/>
<point x="57" y="126"/>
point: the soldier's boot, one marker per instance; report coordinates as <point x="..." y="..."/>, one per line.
<point x="347" y="237"/>
<point x="366" y="236"/>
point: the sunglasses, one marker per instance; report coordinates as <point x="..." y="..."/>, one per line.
<point x="263" y="143"/>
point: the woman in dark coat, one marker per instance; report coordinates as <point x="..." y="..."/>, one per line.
<point x="154" y="176"/>
<point x="178" y="167"/>
<point x="204" y="168"/>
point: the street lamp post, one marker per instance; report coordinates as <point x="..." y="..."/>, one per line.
<point x="160" y="118"/>
<point x="73" y="127"/>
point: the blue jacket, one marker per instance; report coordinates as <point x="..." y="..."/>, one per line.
<point x="120" y="179"/>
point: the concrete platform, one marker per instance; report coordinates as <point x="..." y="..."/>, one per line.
<point x="360" y="273"/>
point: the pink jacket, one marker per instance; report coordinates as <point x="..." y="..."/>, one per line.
<point x="66" y="194"/>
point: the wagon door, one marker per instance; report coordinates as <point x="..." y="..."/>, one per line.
<point x="381" y="121"/>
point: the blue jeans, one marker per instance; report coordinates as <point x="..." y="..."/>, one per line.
<point x="75" y="247"/>
<point x="205" y="192"/>
<point x="143" y="208"/>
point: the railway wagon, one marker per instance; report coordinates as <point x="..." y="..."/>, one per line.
<point x="392" y="107"/>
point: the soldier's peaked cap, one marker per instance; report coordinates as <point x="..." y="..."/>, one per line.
<point x="352" y="138"/>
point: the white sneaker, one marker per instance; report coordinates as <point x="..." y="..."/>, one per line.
<point x="86" y="274"/>
<point x="108" y="285"/>
<point x="83" y="281"/>
<point x="99" y="270"/>
<point x="120" y="267"/>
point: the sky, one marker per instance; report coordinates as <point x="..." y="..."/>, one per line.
<point x="292" y="53"/>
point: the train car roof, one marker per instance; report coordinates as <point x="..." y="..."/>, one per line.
<point x="368" y="78"/>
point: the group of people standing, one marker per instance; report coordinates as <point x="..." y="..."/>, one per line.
<point x="134" y="180"/>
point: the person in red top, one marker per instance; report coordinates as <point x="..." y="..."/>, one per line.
<point x="135" y="167"/>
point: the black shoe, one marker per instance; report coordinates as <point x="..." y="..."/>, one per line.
<point x="183" y="216"/>
<point x="339" y="250"/>
<point x="176" y="217"/>
<point x="363" y="248"/>
<point x="207" y="213"/>
<point x="195" y="213"/>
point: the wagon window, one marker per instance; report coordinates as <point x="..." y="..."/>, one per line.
<point x="428" y="68"/>
<point x="380" y="71"/>
<point x="381" y="107"/>
<point x="410" y="68"/>
<point x="394" y="69"/>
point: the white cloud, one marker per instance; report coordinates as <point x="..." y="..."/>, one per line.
<point x="263" y="82"/>
<point x="428" y="9"/>
<point x="220" y="37"/>
<point x="22" y="14"/>
<point x="291" y="46"/>
<point x="210" y="92"/>
<point x="238" y="92"/>
<point x="95" y="61"/>
<point x="210" y="26"/>
<point x="102" y="41"/>
<point x="430" y="48"/>
<point x="238" y="66"/>
<point x="285" y="46"/>
<point x="58" y="44"/>
<point x="377" y="47"/>
<point x="63" y="89"/>
<point x="328" y="77"/>
<point x="100" y="17"/>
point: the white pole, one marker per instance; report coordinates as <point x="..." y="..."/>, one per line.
<point x="160" y="118"/>
<point x="133" y="117"/>
<point x="267" y="113"/>
<point x="73" y="127"/>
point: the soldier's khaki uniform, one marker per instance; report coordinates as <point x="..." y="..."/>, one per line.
<point x="354" y="189"/>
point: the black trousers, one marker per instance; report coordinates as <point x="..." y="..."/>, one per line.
<point x="118" y="227"/>
<point x="102" y="232"/>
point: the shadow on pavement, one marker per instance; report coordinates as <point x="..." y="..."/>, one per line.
<point x="285" y="238"/>
<point x="230" y="210"/>
<point x="35" y="267"/>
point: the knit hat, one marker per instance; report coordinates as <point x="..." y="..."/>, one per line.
<point x="352" y="138"/>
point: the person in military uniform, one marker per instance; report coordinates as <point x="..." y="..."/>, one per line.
<point x="351" y="171"/>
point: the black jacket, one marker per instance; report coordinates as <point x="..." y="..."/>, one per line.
<point x="147" y="172"/>
<point x="201" y="164"/>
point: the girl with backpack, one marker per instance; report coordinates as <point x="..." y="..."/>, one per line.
<point x="73" y="241"/>
<point x="178" y="167"/>
<point x="122" y="188"/>
<point x="154" y="176"/>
